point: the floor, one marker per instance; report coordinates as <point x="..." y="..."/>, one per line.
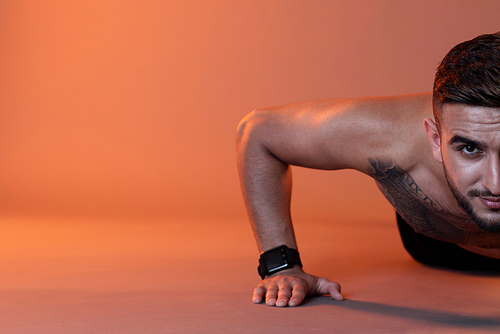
<point x="185" y="276"/>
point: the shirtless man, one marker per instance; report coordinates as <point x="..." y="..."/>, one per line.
<point x="447" y="195"/>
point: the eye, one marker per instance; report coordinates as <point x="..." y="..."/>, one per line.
<point x="470" y="150"/>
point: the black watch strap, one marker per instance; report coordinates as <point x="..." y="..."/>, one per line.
<point x="277" y="259"/>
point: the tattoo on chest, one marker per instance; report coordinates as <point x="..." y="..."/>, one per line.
<point x="422" y="212"/>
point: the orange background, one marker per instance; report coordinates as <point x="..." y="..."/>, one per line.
<point x="129" y="108"/>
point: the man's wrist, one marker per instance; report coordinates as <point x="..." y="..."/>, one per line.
<point x="278" y="259"/>
<point x="293" y="271"/>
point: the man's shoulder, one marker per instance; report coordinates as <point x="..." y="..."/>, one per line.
<point x="392" y="129"/>
<point x="408" y="106"/>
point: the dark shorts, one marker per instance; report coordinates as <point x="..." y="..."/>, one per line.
<point x="440" y="253"/>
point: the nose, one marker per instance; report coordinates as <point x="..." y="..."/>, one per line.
<point x="491" y="180"/>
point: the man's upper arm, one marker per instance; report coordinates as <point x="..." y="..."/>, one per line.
<point x="336" y="133"/>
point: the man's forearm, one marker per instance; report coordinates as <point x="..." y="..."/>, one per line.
<point x="266" y="184"/>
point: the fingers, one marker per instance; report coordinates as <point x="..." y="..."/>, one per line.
<point x="298" y="295"/>
<point x="272" y="293"/>
<point x="291" y="290"/>
<point x="280" y="292"/>
<point x="325" y="286"/>
<point x="258" y="294"/>
<point x="284" y="294"/>
<point x="264" y="291"/>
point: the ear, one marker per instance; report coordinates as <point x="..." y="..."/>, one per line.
<point x="434" y="139"/>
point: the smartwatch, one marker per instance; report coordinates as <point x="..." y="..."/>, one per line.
<point x="277" y="259"/>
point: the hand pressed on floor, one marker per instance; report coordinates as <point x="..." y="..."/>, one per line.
<point x="291" y="286"/>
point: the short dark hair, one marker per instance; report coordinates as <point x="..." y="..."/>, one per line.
<point x="469" y="74"/>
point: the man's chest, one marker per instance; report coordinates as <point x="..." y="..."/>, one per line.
<point x="421" y="208"/>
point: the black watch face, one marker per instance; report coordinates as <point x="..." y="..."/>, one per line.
<point x="274" y="260"/>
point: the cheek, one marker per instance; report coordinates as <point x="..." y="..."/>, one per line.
<point x="466" y="178"/>
<point x="464" y="173"/>
<point x="470" y="177"/>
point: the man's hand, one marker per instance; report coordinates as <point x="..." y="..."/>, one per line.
<point x="291" y="286"/>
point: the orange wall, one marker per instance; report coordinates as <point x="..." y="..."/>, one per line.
<point x="130" y="107"/>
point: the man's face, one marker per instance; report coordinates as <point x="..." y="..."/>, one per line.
<point x="470" y="153"/>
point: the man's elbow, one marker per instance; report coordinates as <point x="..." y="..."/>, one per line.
<point x="251" y="126"/>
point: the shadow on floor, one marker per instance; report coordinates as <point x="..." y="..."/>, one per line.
<point x="411" y="313"/>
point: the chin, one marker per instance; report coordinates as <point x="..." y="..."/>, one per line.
<point x="490" y="222"/>
<point x="490" y="225"/>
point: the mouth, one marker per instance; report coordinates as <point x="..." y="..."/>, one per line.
<point x="490" y="202"/>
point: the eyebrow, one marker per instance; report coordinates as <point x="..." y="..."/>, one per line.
<point x="456" y="139"/>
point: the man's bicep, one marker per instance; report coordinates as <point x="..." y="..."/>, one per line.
<point x="331" y="134"/>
